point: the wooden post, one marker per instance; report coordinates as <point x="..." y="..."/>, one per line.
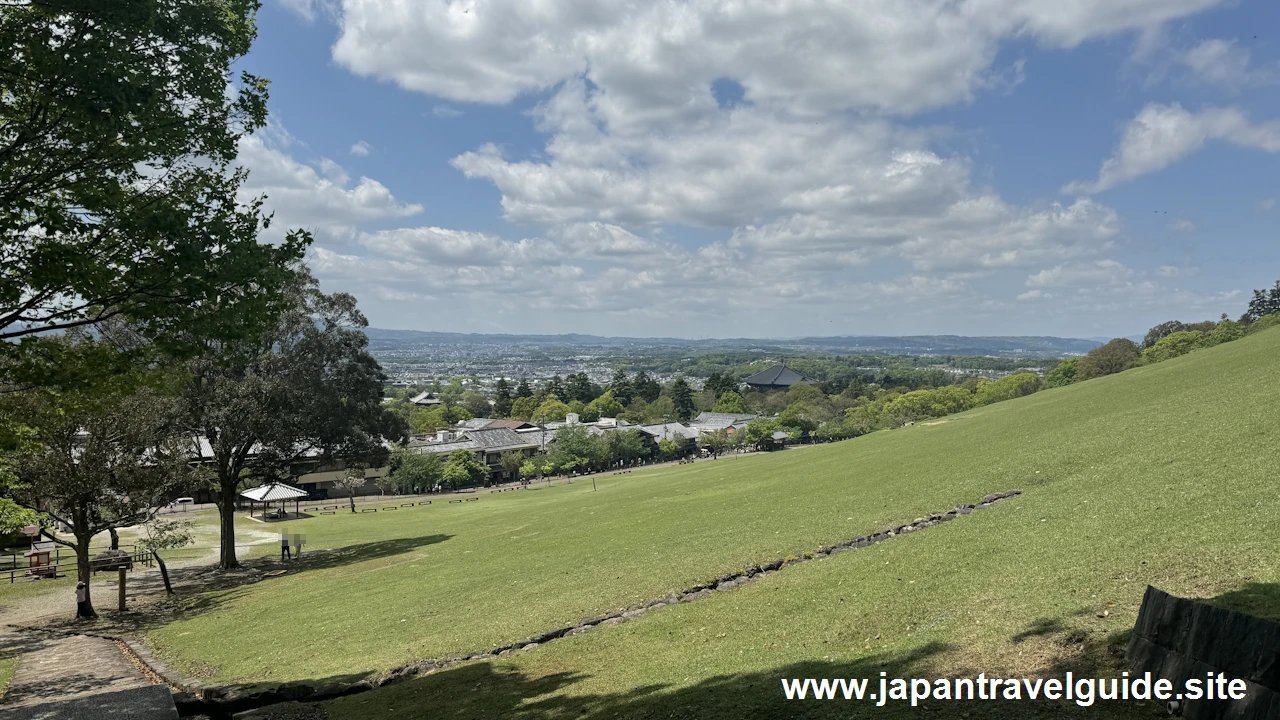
<point x="122" y="571"/>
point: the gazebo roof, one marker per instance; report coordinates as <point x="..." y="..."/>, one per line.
<point x="272" y="492"/>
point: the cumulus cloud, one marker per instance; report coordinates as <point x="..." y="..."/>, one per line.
<point x="445" y="111"/>
<point x="361" y="149"/>
<point x="319" y="197"/>
<point x="1093" y="274"/>
<point x="1161" y="135"/>
<point x="900" y="56"/>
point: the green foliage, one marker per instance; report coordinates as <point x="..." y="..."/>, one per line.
<point x="1115" y="356"/>
<point x="1176" y="344"/>
<point x="551" y="410"/>
<point x="682" y="399"/>
<point x="623" y="445"/>
<point x="14" y="517"/>
<point x="1226" y="331"/>
<point x="436" y="417"/>
<point x="923" y="404"/>
<point x="715" y="441"/>
<point x="1062" y="374"/>
<point x="1263" y="323"/>
<point x="523" y="408"/>
<point x="502" y="399"/>
<point x="796" y="421"/>
<point x="413" y="471"/>
<point x="575" y="448"/>
<point x="164" y="534"/>
<point x="621" y="388"/>
<point x="463" y="468"/>
<point x="511" y="461"/>
<point x="475" y="404"/>
<point x="1006" y="388"/>
<point x="760" y="432"/>
<point x="530" y="469"/>
<point x="673" y="447"/>
<point x="1263" y="303"/>
<point x="646" y="388"/>
<point x="730" y="402"/>
<point x="117" y="178"/>
<point x="522" y="390"/>
<point x="606" y="406"/>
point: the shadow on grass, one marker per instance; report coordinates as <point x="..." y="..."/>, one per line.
<point x="1257" y="599"/>
<point x="494" y="689"/>
<point x="204" y="589"/>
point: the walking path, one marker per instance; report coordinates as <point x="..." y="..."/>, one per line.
<point x="70" y="677"/>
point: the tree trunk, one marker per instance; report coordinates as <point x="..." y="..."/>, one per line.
<point x="227" y="524"/>
<point x="353" y="500"/>
<point x="164" y="572"/>
<point x="83" y="574"/>
<point x="115" y="538"/>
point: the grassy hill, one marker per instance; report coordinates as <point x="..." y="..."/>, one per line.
<point x="1161" y="475"/>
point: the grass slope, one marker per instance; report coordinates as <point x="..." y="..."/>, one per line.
<point x="1162" y="475"/>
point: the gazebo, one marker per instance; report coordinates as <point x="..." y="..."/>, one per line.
<point x="271" y="493"/>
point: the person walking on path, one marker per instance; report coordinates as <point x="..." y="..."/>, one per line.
<point x="284" y="546"/>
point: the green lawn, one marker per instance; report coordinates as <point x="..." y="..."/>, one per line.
<point x="1163" y="475"/>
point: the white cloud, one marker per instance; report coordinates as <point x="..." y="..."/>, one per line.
<point x="1093" y="274"/>
<point x="446" y="111"/>
<point x="1034" y="295"/>
<point x="900" y="56"/>
<point x="361" y="149"/>
<point x="321" y="198"/>
<point x="1161" y="135"/>
<point x="1174" y="271"/>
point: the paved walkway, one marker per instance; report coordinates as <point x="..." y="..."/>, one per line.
<point x="74" y="677"/>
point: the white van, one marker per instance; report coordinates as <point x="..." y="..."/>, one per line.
<point x="182" y="502"/>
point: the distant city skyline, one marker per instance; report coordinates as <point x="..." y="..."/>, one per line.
<point x="1069" y="168"/>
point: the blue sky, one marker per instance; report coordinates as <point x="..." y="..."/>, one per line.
<point x="704" y="169"/>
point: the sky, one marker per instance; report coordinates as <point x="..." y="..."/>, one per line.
<point x="779" y="168"/>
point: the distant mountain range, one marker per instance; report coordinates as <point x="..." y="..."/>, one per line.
<point x="381" y="340"/>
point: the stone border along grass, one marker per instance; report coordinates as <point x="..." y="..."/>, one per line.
<point x="196" y="698"/>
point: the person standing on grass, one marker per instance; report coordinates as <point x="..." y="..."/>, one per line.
<point x="297" y="545"/>
<point x="284" y="546"/>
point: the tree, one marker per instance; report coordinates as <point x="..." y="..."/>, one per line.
<point x="682" y="399"/>
<point x="1226" y="331"/>
<point x="351" y="481"/>
<point x="623" y="446"/>
<point x="476" y="404"/>
<point x="160" y="534"/>
<point x="522" y="390"/>
<point x="730" y="402"/>
<point x="578" y="387"/>
<point x="1262" y="304"/>
<point x="308" y="387"/>
<point x="796" y="422"/>
<point x="118" y="130"/>
<point x="100" y="461"/>
<point x="529" y="470"/>
<point x="646" y="387"/>
<point x="575" y="448"/>
<point x="1161" y="331"/>
<point x="415" y="471"/>
<point x="438" y="417"/>
<point x="1006" y="388"/>
<point x="672" y="447"/>
<point x="606" y="406"/>
<point x="552" y="410"/>
<point x="511" y="461"/>
<point x="523" y="408"/>
<point x="1062" y="374"/>
<point x="463" y="469"/>
<point x="759" y="433"/>
<point x="555" y="386"/>
<point x="502" y="399"/>
<point x="1175" y="345"/>
<point x="621" y="388"/>
<point x="1115" y="356"/>
<point x="385" y="482"/>
<point x="714" y="442"/>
